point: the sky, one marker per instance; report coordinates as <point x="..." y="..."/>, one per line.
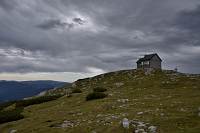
<point x="70" y="39"/>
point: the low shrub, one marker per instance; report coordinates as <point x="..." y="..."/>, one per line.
<point x="99" y="89"/>
<point x="76" y="90"/>
<point x="38" y="100"/>
<point x="11" y="115"/>
<point x="95" y="95"/>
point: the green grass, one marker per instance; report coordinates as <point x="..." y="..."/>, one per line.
<point x="167" y="99"/>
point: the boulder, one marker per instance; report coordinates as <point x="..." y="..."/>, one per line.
<point x="125" y="123"/>
<point x="123" y="100"/>
<point x="152" y="129"/>
<point x="13" y="131"/>
<point x="67" y="123"/>
<point x="140" y="113"/>
<point x="141" y="126"/>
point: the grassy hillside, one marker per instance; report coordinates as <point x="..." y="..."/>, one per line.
<point x="166" y="100"/>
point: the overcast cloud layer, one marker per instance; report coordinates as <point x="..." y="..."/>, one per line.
<point x="95" y="36"/>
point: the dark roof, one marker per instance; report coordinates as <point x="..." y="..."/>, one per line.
<point x="148" y="57"/>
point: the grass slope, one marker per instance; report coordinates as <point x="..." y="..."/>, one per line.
<point x="164" y="99"/>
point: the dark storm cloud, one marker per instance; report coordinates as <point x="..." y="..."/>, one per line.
<point x="190" y="19"/>
<point x="79" y="21"/>
<point x="8" y="4"/>
<point x="184" y="32"/>
<point x="54" y="23"/>
<point x="90" y="35"/>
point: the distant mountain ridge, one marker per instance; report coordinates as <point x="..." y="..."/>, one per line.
<point x="15" y="90"/>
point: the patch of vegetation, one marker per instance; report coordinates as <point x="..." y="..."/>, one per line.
<point x="11" y="115"/>
<point x="38" y="100"/>
<point x="95" y="95"/>
<point x="6" y="104"/>
<point x="99" y="89"/>
<point x="15" y="114"/>
<point x="76" y="90"/>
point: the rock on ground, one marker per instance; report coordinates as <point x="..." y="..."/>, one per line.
<point x="13" y="131"/>
<point x="152" y="129"/>
<point x="125" y="123"/>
